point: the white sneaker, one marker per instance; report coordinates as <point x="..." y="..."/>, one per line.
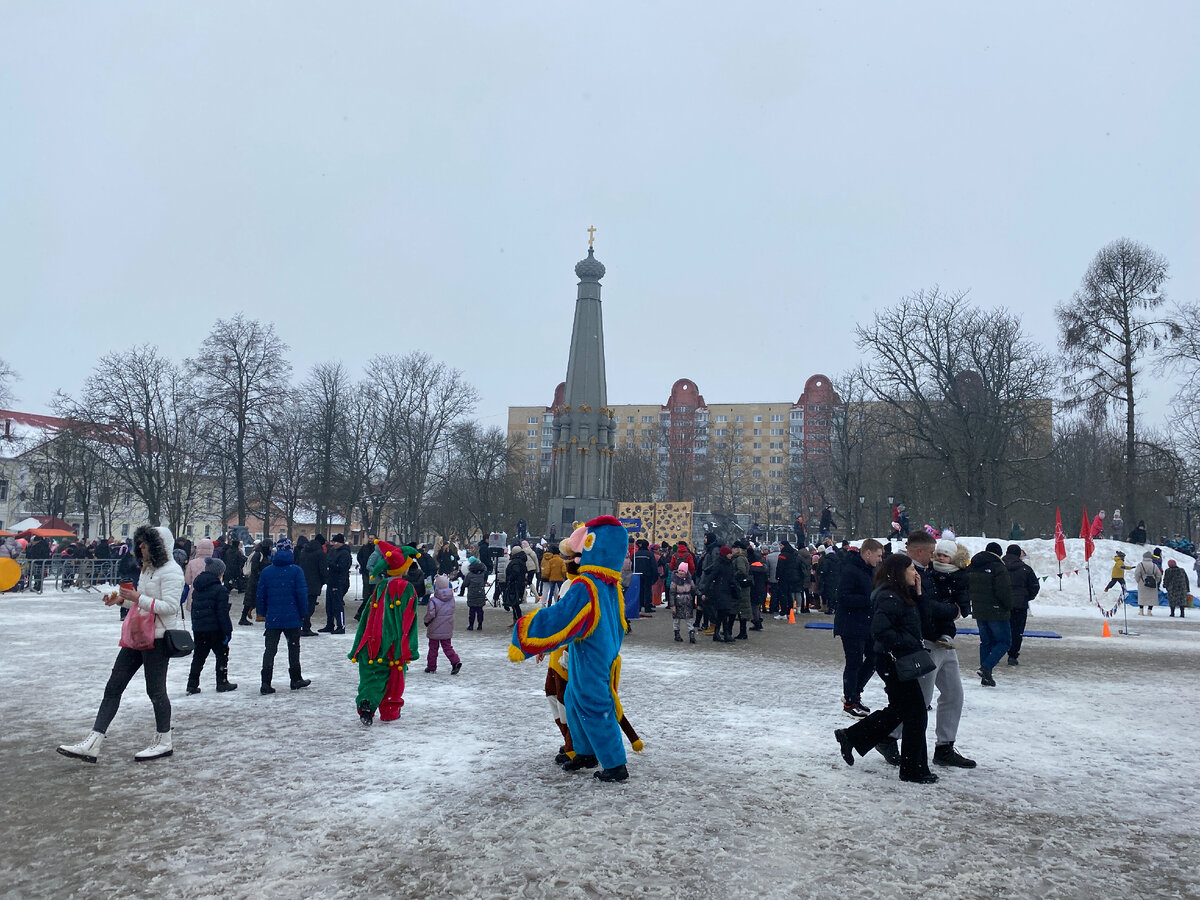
<point x="160" y="748"/>
<point x="87" y="749"/>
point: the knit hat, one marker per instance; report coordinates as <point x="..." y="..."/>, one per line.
<point x="285" y="544"/>
<point x="993" y="547"/>
<point x="338" y="538"/>
<point x="1170" y="562"/>
<point x="1013" y="550"/>
<point x="441" y="581"/>
<point x="1147" y="555"/>
<point x="214" y="566"/>
<point x="682" y="570"/>
<point x="726" y="551"/>
<point x="946" y="547"/>
<point x="1120" y="554"/>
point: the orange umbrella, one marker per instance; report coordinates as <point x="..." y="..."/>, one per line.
<point x="49" y="532"/>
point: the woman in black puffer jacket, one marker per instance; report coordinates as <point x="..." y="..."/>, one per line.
<point x="259" y="560"/>
<point x="210" y="626"/>
<point x="896" y="629"/>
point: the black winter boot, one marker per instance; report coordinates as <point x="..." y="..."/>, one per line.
<point x="616" y="773"/>
<point x="742" y="634"/>
<point x="691" y="637"/>
<point x="580" y="762"/>
<point x="946" y="755"/>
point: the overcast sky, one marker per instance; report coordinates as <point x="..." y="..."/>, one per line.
<point x="383" y="177"/>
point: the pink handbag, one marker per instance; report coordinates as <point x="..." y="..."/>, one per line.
<point x="137" y="631"/>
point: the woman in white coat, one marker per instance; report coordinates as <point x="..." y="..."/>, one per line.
<point x="159" y="590"/>
<point x="1148" y="577"/>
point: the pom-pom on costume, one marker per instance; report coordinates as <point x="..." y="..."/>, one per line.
<point x="590" y="617"/>
<point x="386" y="641"/>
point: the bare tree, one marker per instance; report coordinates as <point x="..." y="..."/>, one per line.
<point x="323" y="410"/>
<point x="136" y="402"/>
<point x="423" y="401"/>
<point x="963" y="388"/>
<point x="1106" y="329"/>
<point x="285" y="445"/>
<point x="8" y="377"/>
<point x="635" y="474"/>
<point x="479" y="475"/>
<point x="243" y="374"/>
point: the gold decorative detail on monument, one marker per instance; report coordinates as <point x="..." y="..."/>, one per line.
<point x="584" y="408"/>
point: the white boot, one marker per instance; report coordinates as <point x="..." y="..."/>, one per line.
<point x="161" y="747"/>
<point x="87" y="749"/>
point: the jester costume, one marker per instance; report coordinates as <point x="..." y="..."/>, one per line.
<point x="386" y="641"/>
<point x="590" y="617"/>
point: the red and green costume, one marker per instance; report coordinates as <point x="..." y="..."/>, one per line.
<point x="386" y="641"/>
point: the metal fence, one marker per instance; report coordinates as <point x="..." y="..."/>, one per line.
<point x="57" y="574"/>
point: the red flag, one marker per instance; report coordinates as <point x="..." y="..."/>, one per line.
<point x="1060" y="543"/>
<point x="1085" y="532"/>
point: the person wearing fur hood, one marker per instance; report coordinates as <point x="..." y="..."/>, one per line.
<point x="159" y="590"/>
<point x="439" y="620"/>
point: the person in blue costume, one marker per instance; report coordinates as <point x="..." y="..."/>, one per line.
<point x="590" y="617"/>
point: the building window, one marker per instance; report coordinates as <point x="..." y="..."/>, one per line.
<point x="645" y="445"/>
<point x="776" y="417"/>
<point x="757" y="445"/>
<point x="531" y="445"/>
<point x="629" y="445"/>
<point x="773" y="474"/>
<point x="647" y="420"/>
<point x="756" y="431"/>
<point x="737" y="473"/>
<point x="208" y="531"/>
<point x="758" y="418"/>
<point x="739" y="459"/>
<point x="189" y="530"/>
<point x="128" y="497"/>
<point x="777" y="460"/>
<point x="629" y="420"/>
<point x="532" y="432"/>
<point x="532" y="420"/>
<point x="258" y="535"/>
<point x="739" y="418"/>
<point x="3" y="488"/>
<point x="721" y="432"/>
<point x="758" y="473"/>
<point x="125" y="530"/>
<point x="721" y="419"/>
<point x="721" y="445"/>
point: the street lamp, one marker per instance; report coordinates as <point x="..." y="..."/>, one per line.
<point x="861" y="501"/>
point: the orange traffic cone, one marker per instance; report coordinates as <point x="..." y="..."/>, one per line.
<point x="792" y="616"/>
<point x="1106" y="632"/>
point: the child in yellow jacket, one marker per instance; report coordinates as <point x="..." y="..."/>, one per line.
<point x="1118" y="572"/>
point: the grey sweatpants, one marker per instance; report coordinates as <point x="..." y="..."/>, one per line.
<point x="948" y="681"/>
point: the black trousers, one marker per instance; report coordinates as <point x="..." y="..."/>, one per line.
<point x="128" y="662"/>
<point x="206" y="641"/>
<point x="292" y="636"/>
<point x="860" y="666"/>
<point x="1016" y="620"/>
<point x="335" y="608"/>
<point x="906" y="705"/>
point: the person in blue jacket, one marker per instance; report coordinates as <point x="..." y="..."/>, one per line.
<point x="590" y="617"/>
<point x="283" y="601"/>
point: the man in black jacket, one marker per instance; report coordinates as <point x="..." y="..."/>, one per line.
<point x="1025" y="587"/>
<point x="644" y="566"/>
<point x="337" y="570"/>
<point x="852" y="623"/>
<point x="313" y="563"/>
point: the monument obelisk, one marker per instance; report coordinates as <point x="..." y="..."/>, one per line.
<point x="585" y="431"/>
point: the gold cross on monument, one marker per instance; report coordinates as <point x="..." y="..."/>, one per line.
<point x="591" y="234"/>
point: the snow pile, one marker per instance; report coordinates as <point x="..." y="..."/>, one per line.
<point x="1074" y="583"/>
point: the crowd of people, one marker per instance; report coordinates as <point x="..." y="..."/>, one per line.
<point x="894" y="612"/>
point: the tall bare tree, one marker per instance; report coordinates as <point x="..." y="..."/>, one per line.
<point x="423" y="400"/>
<point x="243" y="372"/>
<point x="479" y="474"/>
<point x="138" y="402"/>
<point x="323" y="401"/>
<point x="635" y="474"/>
<point x="964" y="388"/>
<point x="1106" y="330"/>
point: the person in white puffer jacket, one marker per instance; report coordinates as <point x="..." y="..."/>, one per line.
<point x="159" y="590"/>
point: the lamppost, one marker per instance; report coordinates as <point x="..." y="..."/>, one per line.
<point x="861" y="505"/>
<point x="1170" y="503"/>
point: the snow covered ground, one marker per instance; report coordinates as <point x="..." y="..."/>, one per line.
<point x="1084" y="788"/>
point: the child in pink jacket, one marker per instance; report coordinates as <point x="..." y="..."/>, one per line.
<point x="439" y="619"/>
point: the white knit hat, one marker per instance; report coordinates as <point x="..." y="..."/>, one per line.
<point x="947" y="547"/>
